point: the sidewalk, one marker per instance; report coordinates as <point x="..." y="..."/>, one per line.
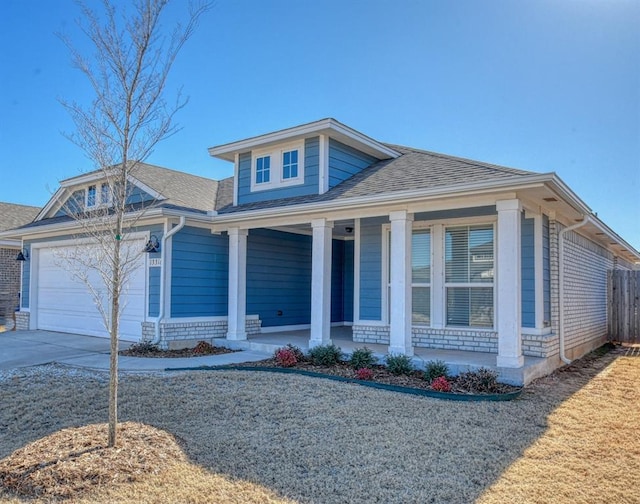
<point x="32" y="348"/>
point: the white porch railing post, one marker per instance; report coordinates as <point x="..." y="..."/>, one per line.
<point x="508" y="275"/>
<point x="321" y="283"/>
<point x="400" y="273"/>
<point x="236" y="317"/>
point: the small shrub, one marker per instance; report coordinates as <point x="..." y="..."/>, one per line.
<point x="203" y="348"/>
<point x="144" y="347"/>
<point x="362" y="358"/>
<point x="435" y="369"/>
<point x="482" y="380"/>
<point x="325" y="355"/>
<point x="285" y="357"/>
<point x="297" y="352"/>
<point x="399" y="364"/>
<point x="441" y="384"/>
<point x="364" y="374"/>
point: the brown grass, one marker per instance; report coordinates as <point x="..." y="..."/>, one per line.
<point x="252" y="437"/>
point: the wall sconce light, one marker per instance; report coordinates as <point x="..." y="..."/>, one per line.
<point x="23" y="255"/>
<point x="349" y="229"/>
<point x="153" y="245"/>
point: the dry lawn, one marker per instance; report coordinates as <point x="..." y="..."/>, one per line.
<point x="254" y="437"/>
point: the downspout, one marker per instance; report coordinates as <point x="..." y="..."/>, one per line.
<point x="163" y="258"/>
<point x="561" y="234"/>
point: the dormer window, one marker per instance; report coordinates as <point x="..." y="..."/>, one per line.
<point x="278" y="167"/>
<point x="95" y="198"/>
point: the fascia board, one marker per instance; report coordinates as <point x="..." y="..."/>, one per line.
<point x="324" y="126"/>
<point x="50" y="204"/>
<point x="510" y="184"/>
<point x="12" y="244"/>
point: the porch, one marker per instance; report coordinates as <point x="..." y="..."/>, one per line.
<point x="457" y="360"/>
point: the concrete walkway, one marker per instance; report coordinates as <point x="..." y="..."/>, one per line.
<point x="32" y="348"/>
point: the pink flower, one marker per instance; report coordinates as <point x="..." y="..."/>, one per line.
<point x="286" y="357"/>
<point x="364" y="374"/>
<point x="441" y="384"/>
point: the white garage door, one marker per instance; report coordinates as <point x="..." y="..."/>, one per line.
<point x="65" y="304"/>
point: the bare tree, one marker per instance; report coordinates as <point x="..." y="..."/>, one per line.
<point x="118" y="130"/>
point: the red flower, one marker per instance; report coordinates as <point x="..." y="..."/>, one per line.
<point x="364" y="374"/>
<point x="441" y="384"/>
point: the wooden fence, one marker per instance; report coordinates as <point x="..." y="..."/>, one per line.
<point x="624" y="306"/>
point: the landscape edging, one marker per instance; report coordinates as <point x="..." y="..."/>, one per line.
<point x="450" y="396"/>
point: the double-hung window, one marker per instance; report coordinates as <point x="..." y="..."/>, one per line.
<point x="91" y="196"/>
<point x="421" y="276"/>
<point x="97" y="198"/>
<point x="263" y="170"/>
<point x="469" y="268"/>
<point x="289" y="165"/>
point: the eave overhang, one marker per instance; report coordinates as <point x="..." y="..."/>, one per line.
<point x="330" y="127"/>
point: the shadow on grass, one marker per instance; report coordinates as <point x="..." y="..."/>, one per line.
<point x="307" y="439"/>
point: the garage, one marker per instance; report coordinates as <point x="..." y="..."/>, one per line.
<point x="64" y="304"/>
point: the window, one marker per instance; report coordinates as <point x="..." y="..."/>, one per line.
<point x="105" y="194"/>
<point x="91" y="196"/>
<point x="278" y="167"/>
<point x="469" y="271"/>
<point x="290" y="164"/>
<point x="421" y="276"/>
<point x="263" y="170"/>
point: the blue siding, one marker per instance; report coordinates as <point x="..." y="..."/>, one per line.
<point x="311" y="177"/>
<point x="279" y="277"/>
<point x="345" y="161"/>
<point x="337" y="280"/>
<point x="26" y="279"/>
<point x="528" y="273"/>
<point x="347" y="282"/>
<point x="371" y="268"/>
<point x="153" y="302"/>
<point x="199" y="283"/>
<point x="154" y="292"/>
<point x="546" y="269"/>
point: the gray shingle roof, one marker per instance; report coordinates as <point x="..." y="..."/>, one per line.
<point x="13" y="216"/>
<point x="181" y="189"/>
<point x="414" y="169"/>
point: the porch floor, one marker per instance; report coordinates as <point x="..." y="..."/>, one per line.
<point x="457" y="360"/>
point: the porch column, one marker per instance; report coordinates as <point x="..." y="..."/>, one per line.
<point x="508" y="284"/>
<point x="321" y="283"/>
<point x="400" y="276"/>
<point x="236" y="317"/>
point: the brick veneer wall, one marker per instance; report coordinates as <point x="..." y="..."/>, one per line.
<point x="9" y="281"/>
<point x="175" y="333"/>
<point x="585" y="293"/>
<point x="458" y="339"/>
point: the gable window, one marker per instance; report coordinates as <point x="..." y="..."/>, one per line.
<point x="263" y="170"/>
<point x="96" y="198"/>
<point x="277" y="167"/>
<point x="469" y="268"/>
<point x="91" y="196"/>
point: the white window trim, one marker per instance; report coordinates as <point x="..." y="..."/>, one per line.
<point x="276" y="179"/>
<point x="98" y="196"/>
<point x="493" y="284"/>
<point x="439" y="289"/>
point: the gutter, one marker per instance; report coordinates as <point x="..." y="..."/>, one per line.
<point x="163" y="260"/>
<point x="586" y="219"/>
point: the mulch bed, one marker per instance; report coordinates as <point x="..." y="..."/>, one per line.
<point x="382" y="375"/>
<point x="147" y="350"/>
<point x="72" y="461"/>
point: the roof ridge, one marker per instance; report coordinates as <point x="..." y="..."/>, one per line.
<point x="472" y="162"/>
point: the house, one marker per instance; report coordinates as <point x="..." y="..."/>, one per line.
<point x="11" y="216"/>
<point x="322" y="228"/>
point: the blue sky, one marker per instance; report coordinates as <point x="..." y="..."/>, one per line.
<point x="537" y="85"/>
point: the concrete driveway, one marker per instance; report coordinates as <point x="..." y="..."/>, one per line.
<point x="32" y="348"/>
